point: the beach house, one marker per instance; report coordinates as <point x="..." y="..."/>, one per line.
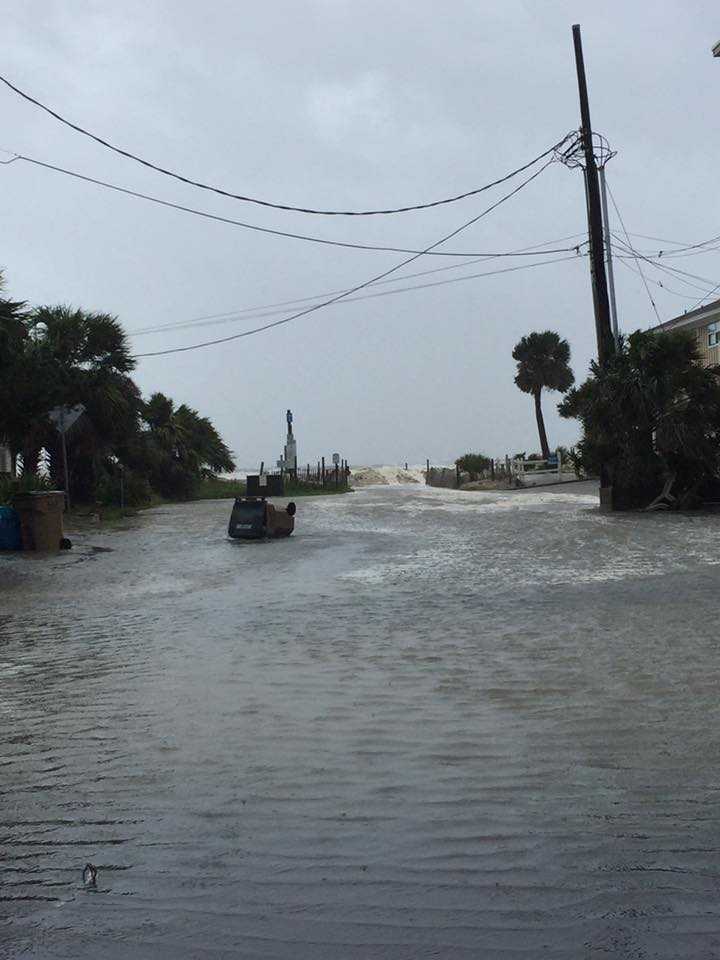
<point x="704" y="323"/>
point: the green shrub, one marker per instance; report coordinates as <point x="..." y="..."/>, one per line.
<point x="474" y="464"/>
<point x="651" y="418"/>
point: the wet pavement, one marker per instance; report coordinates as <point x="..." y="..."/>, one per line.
<point x="430" y="724"/>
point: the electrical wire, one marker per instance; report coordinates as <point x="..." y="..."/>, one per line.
<point x="359" y="286"/>
<point x="692" y="250"/>
<point x="691" y="246"/>
<point x="675" y="292"/>
<point x="257" y="229"/>
<point x="283" y="206"/>
<point x="625" y="262"/>
<point x="693" y="253"/>
<point x="645" y="236"/>
<point x="675" y="272"/>
<point x="192" y="324"/>
<point x="707" y="296"/>
<point x="236" y="314"/>
<point x="622" y="224"/>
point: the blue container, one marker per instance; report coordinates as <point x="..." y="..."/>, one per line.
<point x="10" y="538"/>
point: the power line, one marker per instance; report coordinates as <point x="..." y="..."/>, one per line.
<point x="254" y="227"/>
<point x="675" y="272"/>
<point x="674" y="292"/>
<point x="692" y="250"/>
<point x="359" y="286"/>
<point x="645" y="236"/>
<point x="258" y="310"/>
<point x="658" y="283"/>
<point x="622" y="224"/>
<point x="695" y="252"/>
<point x="691" y="246"/>
<point x="281" y="206"/>
<point x="706" y="297"/>
<point x="191" y="324"/>
<point x="235" y="314"/>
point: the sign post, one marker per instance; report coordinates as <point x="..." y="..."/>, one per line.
<point x="64" y="419"/>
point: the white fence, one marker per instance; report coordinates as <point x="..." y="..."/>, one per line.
<point x="526" y="469"/>
<point x="531" y="473"/>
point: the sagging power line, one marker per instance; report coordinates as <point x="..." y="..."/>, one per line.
<point x="359" y="286"/>
<point x="268" y="230"/>
<point x="282" y="206"/>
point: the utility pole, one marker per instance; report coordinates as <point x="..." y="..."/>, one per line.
<point x="608" y="247"/>
<point x="601" y="302"/>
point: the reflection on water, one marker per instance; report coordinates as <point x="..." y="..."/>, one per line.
<point x="431" y="724"/>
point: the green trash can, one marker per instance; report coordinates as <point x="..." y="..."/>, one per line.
<point x="41" y="519"/>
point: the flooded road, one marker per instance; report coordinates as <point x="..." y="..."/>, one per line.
<point x="431" y="724"/>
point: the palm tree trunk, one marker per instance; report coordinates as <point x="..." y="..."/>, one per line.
<point x="541" y="426"/>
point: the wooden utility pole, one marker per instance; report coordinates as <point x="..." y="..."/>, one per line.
<point x="601" y="302"/>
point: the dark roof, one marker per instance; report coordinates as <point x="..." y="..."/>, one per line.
<point x="693" y="318"/>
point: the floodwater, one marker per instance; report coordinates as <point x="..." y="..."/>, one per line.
<point x="431" y="724"/>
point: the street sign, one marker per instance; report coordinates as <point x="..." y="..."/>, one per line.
<point x="65" y="417"/>
<point x="336" y="458"/>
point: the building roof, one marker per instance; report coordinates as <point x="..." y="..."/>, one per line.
<point x="693" y="318"/>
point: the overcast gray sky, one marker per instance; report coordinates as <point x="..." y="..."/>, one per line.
<point x="340" y="104"/>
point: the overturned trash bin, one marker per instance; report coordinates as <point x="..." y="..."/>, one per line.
<point x="253" y="518"/>
<point x="41" y="519"/>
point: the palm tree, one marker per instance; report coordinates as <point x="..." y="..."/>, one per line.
<point x="90" y="359"/>
<point x="543" y="362"/>
<point x="183" y="446"/>
<point x="16" y="411"/>
<point x="205" y="448"/>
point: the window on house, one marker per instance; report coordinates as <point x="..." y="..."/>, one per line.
<point x="714" y="335"/>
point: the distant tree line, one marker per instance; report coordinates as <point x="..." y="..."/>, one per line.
<point x="57" y="356"/>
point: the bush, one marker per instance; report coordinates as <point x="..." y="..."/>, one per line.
<point x="474" y="464"/>
<point x="651" y="418"/>
<point x="571" y="459"/>
<point x="136" y="488"/>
